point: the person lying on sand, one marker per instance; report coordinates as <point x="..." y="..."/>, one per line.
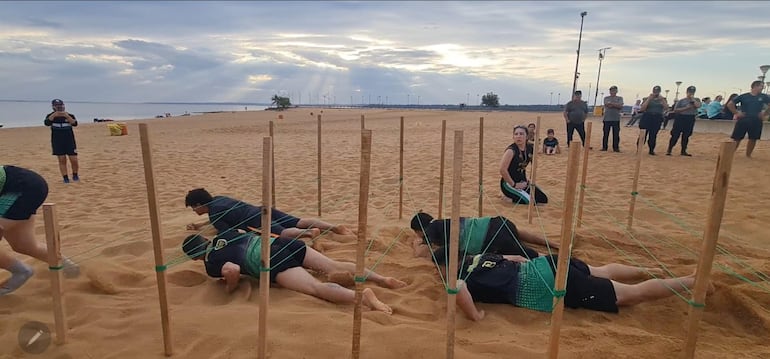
<point x="226" y="213"/>
<point x="22" y="192"/>
<point x="494" y="278"/>
<point x="477" y="235"/>
<point x="233" y="254"/>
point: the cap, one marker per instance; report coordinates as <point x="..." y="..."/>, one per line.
<point x="691" y="89"/>
<point x="57" y="102"/>
<point x="613" y="87"/>
<point x="656" y="88"/>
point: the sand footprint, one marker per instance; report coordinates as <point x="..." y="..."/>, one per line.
<point x="186" y="278"/>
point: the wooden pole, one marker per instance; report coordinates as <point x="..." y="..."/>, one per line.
<point x="401" y="172"/>
<point x="264" y="276"/>
<point x="152" y="201"/>
<point x="710" y="238"/>
<point x="564" y="249"/>
<point x="54" y="265"/>
<point x="441" y="171"/>
<point x="363" y="122"/>
<point x="639" y="148"/>
<point x="584" y="174"/>
<point x="363" y="205"/>
<point x="319" y="165"/>
<point x="272" y="163"/>
<point x="454" y="238"/>
<point x="533" y="180"/>
<point x="481" y="166"/>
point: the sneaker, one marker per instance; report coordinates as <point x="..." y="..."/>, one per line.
<point x="603" y="150"/>
<point x="668" y="153"/>
<point x="686" y="154"/>
<point x="75" y="178"/>
<point x="616" y="150"/>
<point x="66" y="180"/>
<point x="652" y="153"/>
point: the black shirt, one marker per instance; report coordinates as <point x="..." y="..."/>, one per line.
<point x="228" y="247"/>
<point x="517" y="168"/>
<point x="493" y="280"/>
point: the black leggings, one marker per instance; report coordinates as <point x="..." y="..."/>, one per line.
<point x="613" y="126"/>
<point x="581" y="130"/>
<point x="683" y="125"/>
<point x="522" y="198"/>
<point x="651" y="122"/>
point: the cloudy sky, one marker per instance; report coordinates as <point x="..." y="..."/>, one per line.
<point x="439" y="52"/>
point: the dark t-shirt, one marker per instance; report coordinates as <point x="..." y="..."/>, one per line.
<point x="226" y="214"/>
<point x="502" y="237"/>
<point x="576" y="111"/>
<point x="518" y="166"/>
<point x="60" y="128"/>
<point x="752" y="105"/>
<point x="228" y="247"/>
<point x="552" y="142"/>
<point x="493" y="280"/>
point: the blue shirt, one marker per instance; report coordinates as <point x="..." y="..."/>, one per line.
<point x="752" y="105"/>
<point x="713" y="109"/>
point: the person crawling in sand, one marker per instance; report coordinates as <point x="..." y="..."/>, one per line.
<point x="495" y="278"/>
<point x="477" y="235"/>
<point x="226" y="213"/>
<point x="233" y="254"/>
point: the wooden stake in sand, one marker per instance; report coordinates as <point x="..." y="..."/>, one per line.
<point x="264" y="270"/>
<point x="710" y="238"/>
<point x="363" y="205"/>
<point x="401" y="171"/>
<point x="639" y="148"/>
<point x="55" y="265"/>
<point x="481" y="165"/>
<point x="160" y="268"/>
<point x="564" y="249"/>
<point x="272" y="163"/>
<point x="584" y="174"/>
<point x="454" y="239"/>
<point x="533" y="180"/>
<point x="441" y="171"/>
<point x="363" y="122"/>
<point x="319" y="165"/>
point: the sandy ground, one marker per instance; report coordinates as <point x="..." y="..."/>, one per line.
<point x="112" y="309"/>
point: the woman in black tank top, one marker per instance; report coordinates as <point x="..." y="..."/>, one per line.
<point x="513" y="169"/>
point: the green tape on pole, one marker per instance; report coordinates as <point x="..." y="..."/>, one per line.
<point x="161" y="268"/>
<point x="55" y="267"/>
<point x="263" y="269"/>
<point x="452" y="291"/>
<point x="559" y="293"/>
<point x="359" y="279"/>
<point x="697" y="305"/>
<point x="634" y="193"/>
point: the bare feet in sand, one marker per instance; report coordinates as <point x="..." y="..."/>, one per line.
<point x="370" y="300"/>
<point x="345" y="231"/>
<point x="392" y="283"/>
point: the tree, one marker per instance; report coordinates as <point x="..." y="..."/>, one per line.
<point x="490" y="99"/>
<point x="281" y="102"/>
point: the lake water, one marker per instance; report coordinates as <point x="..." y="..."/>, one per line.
<point x="32" y="113"/>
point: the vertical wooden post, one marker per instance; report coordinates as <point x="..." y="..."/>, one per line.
<point x="264" y="275"/>
<point x="401" y="172"/>
<point x="639" y="148"/>
<point x="363" y="122"/>
<point x="584" y="174"/>
<point x="533" y="180"/>
<point x="710" y="238"/>
<point x="319" y="165"/>
<point x="454" y="238"/>
<point x="441" y="171"/>
<point x="54" y="265"/>
<point x="481" y="166"/>
<point x="272" y="163"/>
<point x="564" y="249"/>
<point x="160" y="269"/>
<point x="363" y="203"/>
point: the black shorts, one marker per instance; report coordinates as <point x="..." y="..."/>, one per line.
<point x="585" y="290"/>
<point x="64" y="145"/>
<point x="281" y="221"/>
<point x="29" y="190"/>
<point x="286" y="253"/>
<point x="752" y="126"/>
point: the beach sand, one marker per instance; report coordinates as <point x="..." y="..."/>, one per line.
<point x="112" y="309"/>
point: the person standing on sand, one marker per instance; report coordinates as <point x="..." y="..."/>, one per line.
<point x="232" y="254"/>
<point x="575" y="113"/>
<point x="613" y="104"/>
<point x="685" y="110"/>
<point x="653" y="106"/>
<point x="21" y="193"/>
<point x="226" y="213"/>
<point x="749" y="118"/>
<point x="63" y="139"/>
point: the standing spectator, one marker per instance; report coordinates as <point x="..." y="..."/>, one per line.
<point x="575" y="113"/>
<point x="714" y="109"/>
<point x="636" y="113"/>
<point x="653" y="107"/>
<point x="749" y="118"/>
<point x="531" y="128"/>
<point x="726" y="114"/>
<point x="613" y="104"/>
<point x="685" y="110"/>
<point x="63" y="138"/>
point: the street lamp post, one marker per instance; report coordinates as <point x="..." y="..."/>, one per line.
<point x="764" y="69"/>
<point x="418" y="100"/>
<point x="550" y="103"/>
<point x="558" y="98"/>
<point x="676" y="96"/>
<point x="577" y="61"/>
<point x="602" y="53"/>
<point x="468" y="98"/>
<point x="667" y="94"/>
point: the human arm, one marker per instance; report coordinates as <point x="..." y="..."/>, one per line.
<point x="515" y="258"/>
<point x="420" y="249"/>
<point x="196" y="226"/>
<point x="504" y="163"/>
<point x="231" y="273"/>
<point x="533" y="238"/>
<point x="465" y="302"/>
<point x="566" y="112"/>
<point x="646" y="103"/>
<point x="731" y="105"/>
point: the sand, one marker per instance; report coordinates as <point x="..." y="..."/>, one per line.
<point x="113" y="312"/>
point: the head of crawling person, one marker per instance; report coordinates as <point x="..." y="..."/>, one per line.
<point x="195" y="246"/>
<point x="198" y="199"/>
<point x="420" y="222"/>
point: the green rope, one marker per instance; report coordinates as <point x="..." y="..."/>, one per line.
<point x="425" y="238"/>
<point x="358" y="279"/>
<point x="387" y="250"/>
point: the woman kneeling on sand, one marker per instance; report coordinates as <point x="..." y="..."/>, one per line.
<point x="231" y="254"/>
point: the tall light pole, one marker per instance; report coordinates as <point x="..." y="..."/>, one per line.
<point x="558" y="98"/>
<point x="577" y="61"/>
<point x="407" y="99"/>
<point x="550" y="103"/>
<point x="602" y="53"/>
<point x="764" y="69"/>
<point x="676" y="96"/>
<point x="667" y="94"/>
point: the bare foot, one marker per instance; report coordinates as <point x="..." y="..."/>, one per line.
<point x="313" y="232"/>
<point x="342" y="230"/>
<point x="370" y="300"/>
<point x="392" y="283"/>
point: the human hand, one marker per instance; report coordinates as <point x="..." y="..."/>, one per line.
<point x="481" y="314"/>
<point x="192" y="227"/>
<point x="520" y="185"/>
<point x="738" y="115"/>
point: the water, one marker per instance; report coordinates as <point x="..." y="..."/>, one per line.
<point x="32" y="113"/>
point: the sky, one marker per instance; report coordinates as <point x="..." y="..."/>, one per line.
<point x="371" y="52"/>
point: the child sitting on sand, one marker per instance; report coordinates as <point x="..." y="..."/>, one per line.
<point x="551" y="144"/>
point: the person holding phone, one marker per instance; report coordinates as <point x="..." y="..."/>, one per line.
<point x="653" y="106"/>
<point x="685" y="111"/>
<point x="63" y="139"/>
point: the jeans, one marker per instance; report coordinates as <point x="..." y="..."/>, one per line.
<point x="615" y="127"/>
